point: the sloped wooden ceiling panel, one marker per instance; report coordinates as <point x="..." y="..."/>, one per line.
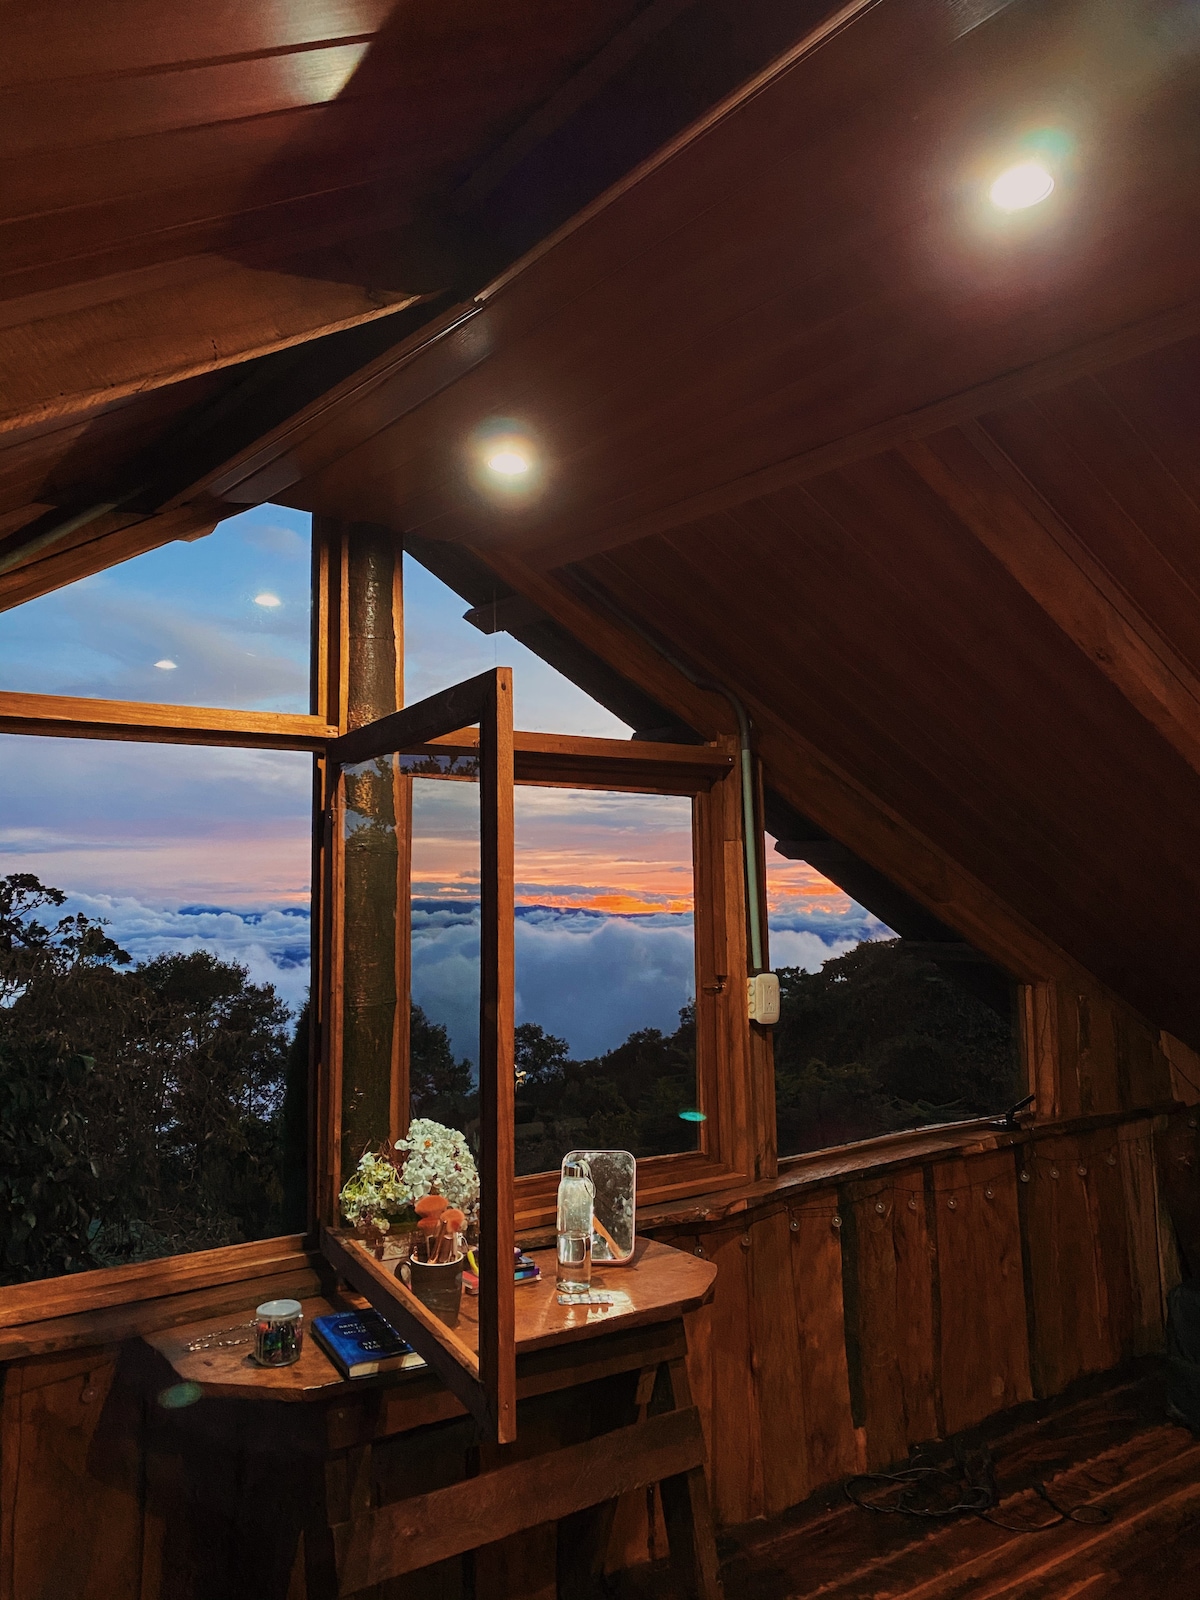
<point x="819" y="274"/>
<point x="187" y="185"/>
<point x="863" y="613"/>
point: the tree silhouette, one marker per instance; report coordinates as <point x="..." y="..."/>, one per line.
<point x="140" y="1107"/>
<point x="880" y="1039"/>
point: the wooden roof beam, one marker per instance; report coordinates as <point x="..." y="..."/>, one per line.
<point x="67" y="360"/>
<point x="989" y="493"/>
<point x="116" y="536"/>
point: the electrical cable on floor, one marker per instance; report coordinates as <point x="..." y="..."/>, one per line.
<point x="977" y="1494"/>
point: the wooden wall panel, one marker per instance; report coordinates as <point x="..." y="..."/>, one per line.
<point x="1136" y="1157"/>
<point x="778" y="1360"/>
<point x="1177" y="1156"/>
<point x="735" y="1442"/>
<point x="71" y="1516"/>
<point x="1183" y="1070"/>
<point x="983" y="1345"/>
<point x="888" y="1278"/>
<point x="1091" y="1251"/>
<point x="830" y="1444"/>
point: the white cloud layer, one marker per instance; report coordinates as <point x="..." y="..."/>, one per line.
<point x="273" y="942"/>
<point x="591" y="979"/>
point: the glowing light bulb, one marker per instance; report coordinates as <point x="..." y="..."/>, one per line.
<point x="1023" y="185"/>
<point x="267" y="600"/>
<point x="508" y="463"/>
<point x="165" y="666"/>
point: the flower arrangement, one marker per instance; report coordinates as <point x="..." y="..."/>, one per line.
<point x="388" y="1186"/>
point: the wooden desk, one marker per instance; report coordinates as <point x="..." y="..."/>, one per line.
<point x="384" y="1476"/>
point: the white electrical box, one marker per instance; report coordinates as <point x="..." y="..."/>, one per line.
<point x="764" y="998"/>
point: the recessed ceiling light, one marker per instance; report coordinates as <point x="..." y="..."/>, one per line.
<point x="165" y="666"/>
<point x="1023" y="185"/>
<point x="267" y="600"/>
<point x="508" y="463"/>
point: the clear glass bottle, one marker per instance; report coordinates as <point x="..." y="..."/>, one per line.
<point x="575" y="1196"/>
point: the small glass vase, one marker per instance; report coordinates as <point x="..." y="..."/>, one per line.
<point x="394" y="1243"/>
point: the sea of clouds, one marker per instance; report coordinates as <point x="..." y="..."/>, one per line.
<point x="589" y="977"/>
<point x="271" y="943"/>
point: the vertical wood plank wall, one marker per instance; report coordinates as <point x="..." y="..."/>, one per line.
<point x="860" y="1320"/>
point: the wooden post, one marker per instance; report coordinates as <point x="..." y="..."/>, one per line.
<point x="497" y="1365"/>
<point x="375" y="953"/>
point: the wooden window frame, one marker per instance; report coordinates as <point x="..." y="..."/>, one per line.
<point x="734" y="1082"/>
<point x="709" y="777"/>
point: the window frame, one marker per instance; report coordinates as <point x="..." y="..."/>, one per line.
<point x="704" y="774"/>
<point x="486" y="1381"/>
<point x="734" y="1079"/>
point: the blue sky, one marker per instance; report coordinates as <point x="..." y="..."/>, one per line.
<point x="195" y="848"/>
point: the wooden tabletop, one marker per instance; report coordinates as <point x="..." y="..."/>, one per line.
<point x="660" y="1284"/>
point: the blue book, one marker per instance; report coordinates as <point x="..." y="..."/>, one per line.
<point x="362" y="1343"/>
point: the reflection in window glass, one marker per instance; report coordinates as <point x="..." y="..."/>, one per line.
<point x="444" y="908"/>
<point x="874" y="1036"/>
<point x="605" y="968"/>
<point x="221" y="621"/>
<point x="154" y="961"/>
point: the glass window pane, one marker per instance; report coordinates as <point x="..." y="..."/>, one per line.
<point x="875" y="1035"/>
<point x="222" y="621"/>
<point x="154" y="964"/>
<point x="441" y="649"/>
<point x="605" y="974"/>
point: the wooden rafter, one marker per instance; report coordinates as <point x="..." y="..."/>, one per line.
<point x="988" y="491"/>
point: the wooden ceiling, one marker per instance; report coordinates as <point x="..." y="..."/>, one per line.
<point x="252" y="173"/>
<point x="918" y="481"/>
<point x="191" y="193"/>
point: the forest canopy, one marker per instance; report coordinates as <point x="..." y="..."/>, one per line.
<point x="141" y="1107"/>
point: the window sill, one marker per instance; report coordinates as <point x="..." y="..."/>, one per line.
<point x="85" y="1309"/>
<point x="89" y="1309"/>
<point x="871" y="1158"/>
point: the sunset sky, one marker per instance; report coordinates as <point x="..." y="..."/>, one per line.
<point x="188" y="848"/>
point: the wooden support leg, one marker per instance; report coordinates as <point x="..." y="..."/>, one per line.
<point x="584" y="1537"/>
<point x="345" y="1493"/>
<point x="687" y="1512"/>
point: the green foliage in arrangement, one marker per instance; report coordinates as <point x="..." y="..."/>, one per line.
<point x="140" y="1107"/>
<point x="881" y="1039"/>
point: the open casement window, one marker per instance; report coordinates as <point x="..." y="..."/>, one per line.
<point x="458" y="750"/>
<point x="369" y="814"/>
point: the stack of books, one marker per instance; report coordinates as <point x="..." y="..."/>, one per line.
<point x="525" y="1270"/>
<point x="362" y="1343"/>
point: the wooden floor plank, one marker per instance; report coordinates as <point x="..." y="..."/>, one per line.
<point x="1108" y="1445"/>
